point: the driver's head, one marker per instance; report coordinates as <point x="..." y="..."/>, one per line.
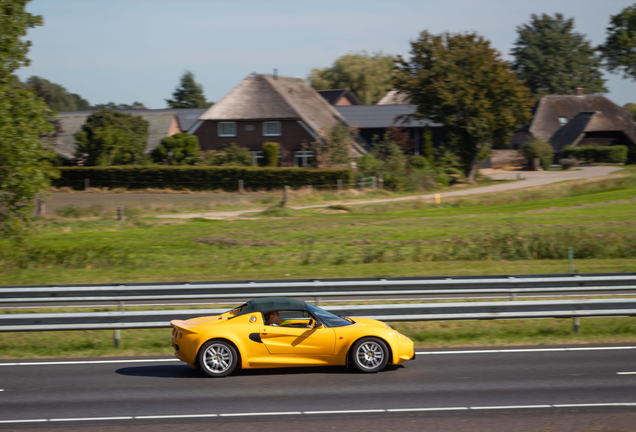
<point x="272" y="317"/>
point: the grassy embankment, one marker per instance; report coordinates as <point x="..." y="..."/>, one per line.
<point x="505" y="233"/>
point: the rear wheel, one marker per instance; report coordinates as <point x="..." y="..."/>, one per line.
<point x="217" y="358"/>
<point x="370" y="355"/>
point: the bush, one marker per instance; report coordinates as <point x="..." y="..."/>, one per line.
<point x="271" y="150"/>
<point x="231" y="156"/>
<point x="178" y="149"/>
<point x="197" y="177"/>
<point x="590" y="154"/>
<point x="537" y="148"/>
<point x="568" y="163"/>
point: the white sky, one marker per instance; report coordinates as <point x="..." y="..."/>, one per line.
<point x="136" y="50"/>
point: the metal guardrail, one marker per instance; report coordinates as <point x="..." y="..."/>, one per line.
<point x="386" y="312"/>
<point x="512" y="285"/>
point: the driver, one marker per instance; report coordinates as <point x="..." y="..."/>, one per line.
<point x="271" y="318"/>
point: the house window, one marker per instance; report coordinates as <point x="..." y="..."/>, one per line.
<point x="257" y="156"/>
<point x="271" y="129"/>
<point x="303" y="158"/>
<point x="227" y="129"/>
<point x="563" y="120"/>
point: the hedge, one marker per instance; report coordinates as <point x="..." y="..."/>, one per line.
<point x="613" y="154"/>
<point x="198" y="178"/>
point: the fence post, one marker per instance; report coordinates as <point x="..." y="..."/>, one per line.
<point x="381" y="181"/>
<point x="285" y="196"/>
<point x="120" y="213"/>
<point x="339" y="185"/>
<point x="577" y="324"/>
<point x="374" y="182"/>
<point x="87" y="184"/>
<point x="361" y="184"/>
<point x="310" y="189"/>
<point x="40" y="207"/>
<point x="438" y="199"/>
<point x="241" y="188"/>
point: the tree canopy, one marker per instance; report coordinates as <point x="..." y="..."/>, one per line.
<point x="368" y="76"/>
<point x="459" y="81"/>
<point x="117" y="106"/>
<point x="619" y="50"/>
<point x="24" y="127"/>
<point x="551" y="58"/>
<point x="631" y="107"/>
<point x="189" y="94"/>
<point x="55" y="95"/>
<point x="112" y="138"/>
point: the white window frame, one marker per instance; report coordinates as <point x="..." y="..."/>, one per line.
<point x="256" y="155"/>
<point x="301" y="158"/>
<point x="280" y="128"/>
<point x="221" y="134"/>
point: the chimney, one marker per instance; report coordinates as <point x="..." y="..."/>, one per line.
<point x="275" y="74"/>
<point x="580" y="91"/>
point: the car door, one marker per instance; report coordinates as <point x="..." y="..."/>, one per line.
<point x="291" y="337"/>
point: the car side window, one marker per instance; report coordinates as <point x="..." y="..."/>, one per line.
<point x="293" y="318"/>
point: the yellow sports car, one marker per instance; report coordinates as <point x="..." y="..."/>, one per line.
<point x="282" y="332"/>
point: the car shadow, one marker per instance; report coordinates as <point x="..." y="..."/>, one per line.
<point x="160" y="371"/>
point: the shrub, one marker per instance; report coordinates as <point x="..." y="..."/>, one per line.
<point x="537" y="148"/>
<point x="178" y="149"/>
<point x="231" y="156"/>
<point x="568" y="163"/>
<point x="589" y="154"/>
<point x="271" y="150"/>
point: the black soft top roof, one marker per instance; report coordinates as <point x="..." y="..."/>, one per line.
<point x="269" y="304"/>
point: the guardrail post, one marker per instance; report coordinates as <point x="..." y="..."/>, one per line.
<point x="513" y="296"/>
<point x="120" y="213"/>
<point x="317" y="301"/>
<point x="117" y="332"/>
<point x="577" y="324"/>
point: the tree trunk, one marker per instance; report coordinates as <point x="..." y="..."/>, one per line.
<point x="474" y="166"/>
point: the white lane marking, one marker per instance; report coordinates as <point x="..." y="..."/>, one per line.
<point x="346" y="411"/>
<point x="1" y="389"/>
<point x="525" y="350"/>
<point x="88" y="362"/>
<point x="260" y="414"/>
<point x="389" y="410"/>
<point x="90" y="419"/>
<point x="510" y="407"/>
<point x="625" y="373"/>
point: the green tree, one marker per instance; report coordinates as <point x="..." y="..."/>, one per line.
<point x="539" y="149"/>
<point x="112" y="138"/>
<point x="56" y="96"/>
<point x="233" y="155"/>
<point x="115" y="106"/>
<point x="25" y="171"/>
<point x="189" y="94"/>
<point x="178" y="149"/>
<point x="619" y="49"/>
<point x="427" y="144"/>
<point x="459" y="81"/>
<point x="631" y="107"/>
<point x="368" y="76"/>
<point x="271" y="150"/>
<point x="551" y="58"/>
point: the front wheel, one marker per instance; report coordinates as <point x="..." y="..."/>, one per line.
<point x="370" y="355"/>
<point x="217" y="358"/>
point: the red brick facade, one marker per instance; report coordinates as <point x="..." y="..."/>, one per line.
<point x="250" y="134"/>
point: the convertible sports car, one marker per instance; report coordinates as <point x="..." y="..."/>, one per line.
<point x="305" y="335"/>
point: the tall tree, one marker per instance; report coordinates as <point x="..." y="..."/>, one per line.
<point x="189" y="94"/>
<point x="631" y="107"/>
<point x="459" y="81"/>
<point x="56" y="96"/>
<point x="619" y="50"/>
<point x="24" y="149"/>
<point x="551" y="58"/>
<point x="116" y="106"/>
<point x="367" y="76"/>
<point x="112" y="138"/>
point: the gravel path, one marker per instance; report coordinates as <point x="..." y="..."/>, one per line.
<point x="530" y="179"/>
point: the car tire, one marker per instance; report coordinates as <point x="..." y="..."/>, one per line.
<point x="217" y="358"/>
<point x="370" y="355"/>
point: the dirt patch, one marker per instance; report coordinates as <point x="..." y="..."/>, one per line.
<point x="225" y="241"/>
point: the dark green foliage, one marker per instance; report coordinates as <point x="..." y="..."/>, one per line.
<point x="459" y="81"/>
<point x="97" y="256"/>
<point x="568" y="163"/>
<point x="178" y="149"/>
<point x="197" y="177"/>
<point x="56" y="96"/>
<point x="117" y="106"/>
<point x="189" y="94"/>
<point x="112" y="138"/>
<point x="367" y="76"/>
<point x="231" y="156"/>
<point x="537" y="148"/>
<point x="619" y="50"/>
<point x="332" y="151"/>
<point x="271" y="150"/>
<point x="368" y="165"/>
<point x="551" y="58"/>
<point x="427" y="146"/>
<point x="590" y="154"/>
<point x="25" y="130"/>
<point x="631" y="107"/>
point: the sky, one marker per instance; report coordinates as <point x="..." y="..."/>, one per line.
<point x="124" y="51"/>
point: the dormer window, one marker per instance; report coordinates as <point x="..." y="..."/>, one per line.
<point x="563" y="120"/>
<point x="271" y="128"/>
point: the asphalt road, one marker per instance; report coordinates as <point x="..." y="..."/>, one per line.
<point x="440" y="390"/>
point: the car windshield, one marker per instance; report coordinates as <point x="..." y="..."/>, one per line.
<point x="329" y="319"/>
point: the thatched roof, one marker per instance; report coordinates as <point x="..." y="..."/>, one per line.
<point x="394" y="98"/>
<point x="267" y="97"/>
<point x="71" y="122"/>
<point x="562" y="119"/>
